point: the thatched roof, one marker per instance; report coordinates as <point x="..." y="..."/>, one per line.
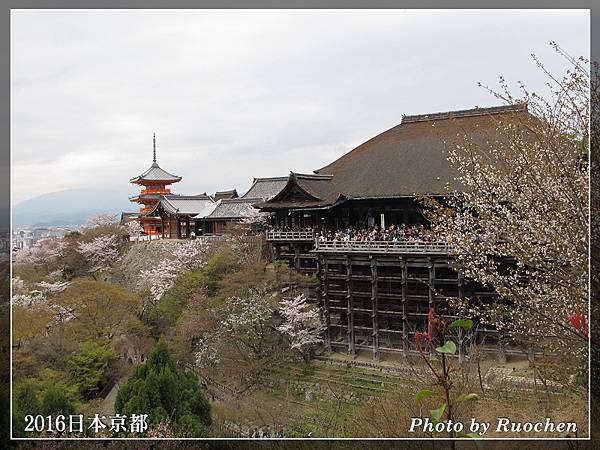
<point x="407" y="160"/>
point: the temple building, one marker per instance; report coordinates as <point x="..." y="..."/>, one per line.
<point x="225" y="195"/>
<point x="378" y="183"/>
<point x="154" y="182"/>
<point x="180" y="215"/>
<point x="358" y="224"/>
<point x="233" y="210"/>
<point x="265" y="188"/>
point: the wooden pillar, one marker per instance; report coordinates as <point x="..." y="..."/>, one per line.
<point x="501" y="354"/>
<point x="187" y="227"/>
<point x="178" y="222"/>
<point x="405" y="343"/>
<point x="530" y="351"/>
<point x="374" y="308"/>
<point x="461" y="285"/>
<point x="323" y="267"/>
<point x="297" y="256"/>
<point x="162" y="226"/>
<point x="431" y="283"/>
<point x="350" y="311"/>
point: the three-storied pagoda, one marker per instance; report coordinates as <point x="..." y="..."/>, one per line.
<point x="155" y="182"/>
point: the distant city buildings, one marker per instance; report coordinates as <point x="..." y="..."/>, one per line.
<point x="27" y="237"/>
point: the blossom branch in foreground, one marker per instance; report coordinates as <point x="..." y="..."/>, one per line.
<point x="302" y="324"/>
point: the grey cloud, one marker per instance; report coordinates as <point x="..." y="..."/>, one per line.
<point x="237" y="94"/>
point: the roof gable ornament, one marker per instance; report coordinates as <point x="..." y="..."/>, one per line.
<point x="153" y="147"/>
<point x="155" y="173"/>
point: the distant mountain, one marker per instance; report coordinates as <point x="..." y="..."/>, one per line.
<point x="69" y="207"/>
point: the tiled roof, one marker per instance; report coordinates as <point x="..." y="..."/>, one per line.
<point x="135" y="198"/>
<point x="266" y="188"/>
<point x="156" y="173"/>
<point x="125" y="216"/>
<point x="220" y="195"/>
<point x="237" y="208"/>
<point x="304" y="190"/>
<point x="192" y="205"/>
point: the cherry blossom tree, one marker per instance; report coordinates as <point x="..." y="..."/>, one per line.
<point x="133" y="229"/>
<point x="521" y="225"/>
<point x="187" y="256"/>
<point x="101" y="219"/>
<point x="252" y="215"/>
<point x="207" y="351"/>
<point x="244" y="338"/>
<point x="17" y="284"/>
<point x="249" y="318"/>
<point x="29" y="299"/>
<point x="53" y="287"/>
<point x="43" y="252"/>
<point x="56" y="274"/>
<point x="159" y="279"/>
<point x="101" y="252"/>
<point x="302" y="325"/>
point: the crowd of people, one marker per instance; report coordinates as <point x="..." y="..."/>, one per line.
<point x="392" y="233"/>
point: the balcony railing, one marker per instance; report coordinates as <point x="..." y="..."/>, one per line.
<point x="160" y="191"/>
<point x="383" y="247"/>
<point x="306" y="236"/>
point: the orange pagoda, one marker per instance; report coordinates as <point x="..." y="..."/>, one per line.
<point x="154" y="182"/>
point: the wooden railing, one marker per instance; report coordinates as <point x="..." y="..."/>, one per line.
<point x="383" y="247"/>
<point x="290" y="235"/>
<point x="161" y="191"/>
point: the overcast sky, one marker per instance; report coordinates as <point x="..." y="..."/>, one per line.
<point x="239" y="94"/>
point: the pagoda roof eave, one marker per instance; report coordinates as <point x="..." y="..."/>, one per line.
<point x="149" y="197"/>
<point x="141" y="180"/>
<point x="155" y="174"/>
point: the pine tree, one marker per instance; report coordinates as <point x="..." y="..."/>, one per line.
<point x="166" y="394"/>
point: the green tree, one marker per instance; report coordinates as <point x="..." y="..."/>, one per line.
<point x="56" y="401"/>
<point x="89" y="366"/>
<point x="217" y="267"/>
<point x="100" y="310"/>
<point x="25" y="401"/>
<point x="172" y="305"/>
<point x="166" y="394"/>
<point x="45" y="397"/>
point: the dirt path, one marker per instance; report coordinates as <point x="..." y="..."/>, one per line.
<point x="107" y="407"/>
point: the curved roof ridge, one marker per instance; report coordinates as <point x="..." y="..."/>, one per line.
<point x="187" y="197"/>
<point x="255" y="179"/>
<point x="156" y="173"/>
<point x="312" y="176"/>
<point x="265" y="188"/>
<point x="240" y="200"/>
<point x="477" y="111"/>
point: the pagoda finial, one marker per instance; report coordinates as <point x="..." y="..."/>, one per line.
<point x="154" y="147"/>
